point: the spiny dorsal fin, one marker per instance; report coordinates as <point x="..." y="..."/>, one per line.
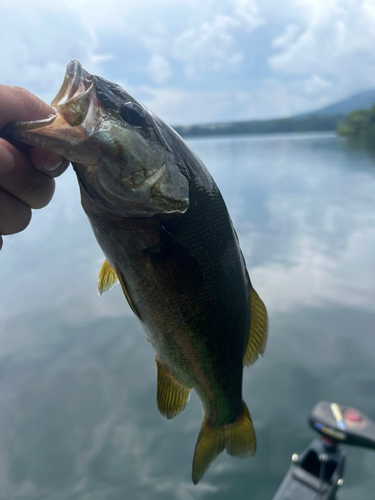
<point x="172" y="397"/>
<point x="258" y="329"/>
<point x="237" y="438"/>
<point x="107" y="278"/>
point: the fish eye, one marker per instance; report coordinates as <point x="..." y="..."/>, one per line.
<point x="132" y="113"/>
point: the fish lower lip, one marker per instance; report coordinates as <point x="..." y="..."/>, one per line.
<point x="76" y="81"/>
<point x="19" y="130"/>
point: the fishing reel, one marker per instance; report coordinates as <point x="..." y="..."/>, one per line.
<point x="318" y="472"/>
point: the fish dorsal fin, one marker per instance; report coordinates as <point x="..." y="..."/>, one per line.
<point x="258" y="329"/>
<point x="172" y="396"/>
<point x="107" y="278"/>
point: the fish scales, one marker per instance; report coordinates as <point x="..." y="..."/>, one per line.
<point x="208" y="329"/>
<point x="167" y="236"/>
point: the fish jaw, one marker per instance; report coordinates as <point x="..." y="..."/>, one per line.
<point x="127" y="170"/>
<point x="66" y="131"/>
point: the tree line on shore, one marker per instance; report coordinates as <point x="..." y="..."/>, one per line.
<point x="313" y="123"/>
<point x="359" y="123"/>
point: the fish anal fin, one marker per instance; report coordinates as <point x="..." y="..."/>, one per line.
<point x="258" y="329"/>
<point x="126" y="292"/>
<point x="238" y="439"/>
<point x="107" y="278"/>
<point x="172" y="397"/>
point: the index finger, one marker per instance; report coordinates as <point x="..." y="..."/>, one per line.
<point x="18" y="104"/>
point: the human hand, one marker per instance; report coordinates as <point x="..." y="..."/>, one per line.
<point x="26" y="173"/>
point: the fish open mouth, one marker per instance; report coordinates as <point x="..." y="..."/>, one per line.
<point x="73" y="99"/>
<point x="72" y="103"/>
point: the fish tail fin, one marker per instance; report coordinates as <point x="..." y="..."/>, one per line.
<point x="238" y="439"/>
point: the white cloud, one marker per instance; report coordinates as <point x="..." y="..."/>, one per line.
<point x="35" y="47"/>
<point x="326" y="252"/>
<point x="159" y="69"/>
<point x="211" y="45"/>
<point x="330" y="279"/>
<point x="335" y="43"/>
<point x="316" y="85"/>
<point x="247" y="13"/>
<point x="155" y="38"/>
<point x="101" y="58"/>
<point x="178" y="106"/>
<point x="257" y="59"/>
<point x="287" y="37"/>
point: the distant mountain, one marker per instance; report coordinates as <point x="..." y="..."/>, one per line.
<point x="324" y="119"/>
<point x="362" y="100"/>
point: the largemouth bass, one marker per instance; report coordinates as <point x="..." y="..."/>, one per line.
<point x="168" y="239"/>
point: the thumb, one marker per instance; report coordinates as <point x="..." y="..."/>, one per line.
<point x="48" y="162"/>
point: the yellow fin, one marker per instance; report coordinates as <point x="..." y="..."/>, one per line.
<point x="258" y="329"/>
<point x="172" y="397"/>
<point x="107" y="278"/>
<point x="237" y="438"/>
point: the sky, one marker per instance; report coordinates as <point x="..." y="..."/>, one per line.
<point x="194" y="61"/>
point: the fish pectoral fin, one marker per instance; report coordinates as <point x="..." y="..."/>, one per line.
<point x="174" y="265"/>
<point x="238" y="439"/>
<point x="172" y="397"/>
<point x="126" y="292"/>
<point x="107" y="278"/>
<point x="258" y="329"/>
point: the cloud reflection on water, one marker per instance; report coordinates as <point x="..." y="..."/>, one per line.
<point x="78" y="380"/>
<point x="303" y="209"/>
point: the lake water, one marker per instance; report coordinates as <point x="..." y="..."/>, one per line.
<point x="78" y="417"/>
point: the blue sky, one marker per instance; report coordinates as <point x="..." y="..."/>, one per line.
<point x="194" y="61"/>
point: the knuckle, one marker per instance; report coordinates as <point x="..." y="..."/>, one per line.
<point x="15" y="215"/>
<point x="38" y="190"/>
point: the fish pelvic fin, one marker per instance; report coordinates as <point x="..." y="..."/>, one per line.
<point x="238" y="439"/>
<point x="172" y="397"/>
<point x="258" y="329"/>
<point x="107" y="278"/>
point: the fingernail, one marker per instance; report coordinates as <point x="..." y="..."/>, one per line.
<point x="6" y="160"/>
<point x="52" y="162"/>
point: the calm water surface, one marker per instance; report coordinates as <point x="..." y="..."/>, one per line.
<point x="78" y="418"/>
